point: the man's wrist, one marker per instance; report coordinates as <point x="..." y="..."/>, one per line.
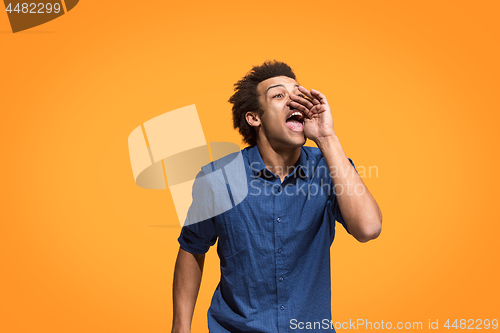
<point x="181" y="330"/>
<point x="181" y="326"/>
<point x="327" y="142"/>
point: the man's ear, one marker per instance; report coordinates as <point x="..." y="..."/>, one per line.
<point x="253" y="118"/>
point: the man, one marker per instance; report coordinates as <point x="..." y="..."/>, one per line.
<point x="274" y="246"/>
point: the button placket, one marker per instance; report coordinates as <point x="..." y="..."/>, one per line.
<point x="281" y="269"/>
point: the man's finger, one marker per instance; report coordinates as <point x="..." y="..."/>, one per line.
<point x="302" y="101"/>
<point x="300" y="107"/>
<point x="319" y="96"/>
<point x="306" y="92"/>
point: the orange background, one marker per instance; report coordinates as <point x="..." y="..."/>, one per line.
<point x="414" y="91"/>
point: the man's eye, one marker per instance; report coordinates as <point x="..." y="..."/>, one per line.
<point x="277" y="95"/>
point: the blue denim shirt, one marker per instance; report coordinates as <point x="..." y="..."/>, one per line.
<point x="274" y="249"/>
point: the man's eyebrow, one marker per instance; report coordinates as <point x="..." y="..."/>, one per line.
<point x="278" y="85"/>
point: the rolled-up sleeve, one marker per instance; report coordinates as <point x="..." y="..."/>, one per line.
<point x="198" y="237"/>
<point x="198" y="233"/>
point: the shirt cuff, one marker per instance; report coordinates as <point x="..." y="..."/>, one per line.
<point x="191" y="243"/>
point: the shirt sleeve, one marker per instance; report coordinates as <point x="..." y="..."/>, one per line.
<point x="198" y="233"/>
<point x="198" y="237"/>
<point x="337" y="214"/>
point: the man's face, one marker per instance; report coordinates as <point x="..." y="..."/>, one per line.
<point x="278" y="125"/>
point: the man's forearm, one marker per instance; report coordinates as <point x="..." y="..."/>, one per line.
<point x="187" y="280"/>
<point x="358" y="207"/>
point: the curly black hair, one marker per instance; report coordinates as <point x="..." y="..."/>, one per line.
<point x="246" y="97"/>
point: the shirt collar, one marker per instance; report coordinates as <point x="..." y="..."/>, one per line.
<point x="259" y="168"/>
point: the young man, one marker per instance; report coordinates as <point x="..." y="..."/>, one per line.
<point x="274" y="246"/>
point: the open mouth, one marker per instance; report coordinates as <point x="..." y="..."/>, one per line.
<point x="295" y="120"/>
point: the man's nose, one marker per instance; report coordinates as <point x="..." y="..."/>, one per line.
<point x="295" y="92"/>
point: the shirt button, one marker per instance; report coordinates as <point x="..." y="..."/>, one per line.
<point x="279" y="250"/>
<point x="281" y="279"/>
<point x="282" y="308"/>
<point x="278" y="219"/>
